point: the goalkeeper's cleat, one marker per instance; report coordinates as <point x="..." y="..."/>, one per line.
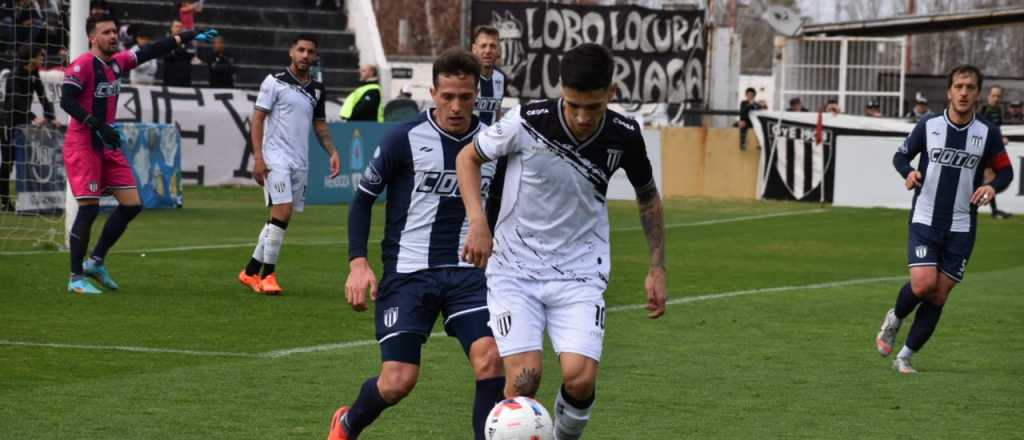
<point x="903" y="365"/>
<point x="82" y="286"/>
<point x="337" y="426"/>
<point x="269" y="285"/>
<point x="887" y="334"/>
<point x="100" y="273"/>
<point x="250" y="281"/>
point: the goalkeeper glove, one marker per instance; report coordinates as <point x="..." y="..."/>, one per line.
<point x="204" y="36"/>
<point x="104" y="131"/>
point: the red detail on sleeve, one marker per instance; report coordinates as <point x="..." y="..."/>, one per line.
<point x="1000" y="162"/>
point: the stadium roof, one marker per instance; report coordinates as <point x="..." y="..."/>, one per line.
<point x="919" y="24"/>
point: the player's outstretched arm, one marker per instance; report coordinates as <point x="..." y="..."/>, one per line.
<point x="323" y="133"/>
<point x="164" y="46"/>
<point x="478" y="243"/>
<point x="652" y="218"/>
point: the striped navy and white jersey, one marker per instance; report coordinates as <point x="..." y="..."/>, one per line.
<point x="553" y="223"/>
<point x="426" y="223"/>
<point x="291" y="108"/>
<point x="490" y="91"/>
<point x="953" y="159"/>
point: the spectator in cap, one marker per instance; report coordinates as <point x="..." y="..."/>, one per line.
<point x="796" y="105"/>
<point x="873" y="109"/>
<point x="920" y="108"/>
<point x="1016" y="113"/>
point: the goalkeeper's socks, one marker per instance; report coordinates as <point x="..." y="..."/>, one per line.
<point x="116" y="224"/>
<point x="272" y="241"/>
<point x="488" y="393"/>
<point x="78" y="239"/>
<point x="571" y="415"/>
<point x="365" y="409"/>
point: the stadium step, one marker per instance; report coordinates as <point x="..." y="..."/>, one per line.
<point x="334" y="58"/>
<point x="334" y="79"/>
<point x="275" y="17"/>
<point x="253" y="35"/>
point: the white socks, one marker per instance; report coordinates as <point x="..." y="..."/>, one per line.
<point x="258" y="253"/>
<point x="273" y="238"/>
<point x="905" y="353"/>
<point x="569" y="420"/>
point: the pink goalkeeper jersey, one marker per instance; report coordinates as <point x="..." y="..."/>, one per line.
<point x="100" y="82"/>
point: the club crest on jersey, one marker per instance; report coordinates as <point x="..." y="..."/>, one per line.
<point x="954" y="158"/>
<point x="107" y="89"/>
<point x="975" y="141"/>
<point x="371" y="176"/>
<point x="921" y="251"/>
<point x="116" y="68"/>
<point x="93" y="187"/>
<point x="390" y="317"/>
<point x="504" y="322"/>
<point x="614" y="156"/>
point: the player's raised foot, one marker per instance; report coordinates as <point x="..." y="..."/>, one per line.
<point x="250" y="281"/>
<point x="82" y="286"/>
<point x="887" y="334"/>
<point x="269" y="285"/>
<point x="337" y="430"/>
<point x="903" y="366"/>
<point x="99" y="273"/>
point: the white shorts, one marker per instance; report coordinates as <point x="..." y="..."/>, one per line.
<point x="521" y="309"/>
<point x="283" y="186"/>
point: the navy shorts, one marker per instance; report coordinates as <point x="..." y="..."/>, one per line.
<point x="409" y="304"/>
<point x="948" y="250"/>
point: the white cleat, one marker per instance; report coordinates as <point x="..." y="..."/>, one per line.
<point x="887" y="335"/>
<point x="903" y="366"/>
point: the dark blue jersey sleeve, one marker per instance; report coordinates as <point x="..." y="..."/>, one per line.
<point x="359" y="217"/>
<point x="390" y="159"/>
<point x="913" y="145"/>
<point x="996" y="158"/>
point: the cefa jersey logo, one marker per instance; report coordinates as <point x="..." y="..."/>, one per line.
<point x="108" y="89"/>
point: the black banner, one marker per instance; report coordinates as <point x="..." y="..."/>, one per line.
<point x="659" y="55"/>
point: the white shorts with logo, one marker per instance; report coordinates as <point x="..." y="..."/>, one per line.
<point x="284" y="185"/>
<point x="573" y="313"/>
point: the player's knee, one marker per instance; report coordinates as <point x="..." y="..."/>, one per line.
<point x="485" y="359"/>
<point x="939" y="297"/>
<point x="579" y="387"/>
<point x="923" y="286"/>
<point x="396" y="385"/>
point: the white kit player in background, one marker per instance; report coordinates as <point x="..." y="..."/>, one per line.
<point x="288" y="103"/>
<point x="551" y="258"/>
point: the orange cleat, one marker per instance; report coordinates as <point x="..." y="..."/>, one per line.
<point x="337" y="431"/>
<point x="250" y="281"/>
<point x="269" y="286"/>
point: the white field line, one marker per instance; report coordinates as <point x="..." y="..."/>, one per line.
<point x="248" y="244"/>
<point x="368" y="342"/>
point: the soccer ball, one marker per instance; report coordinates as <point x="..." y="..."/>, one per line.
<point x="520" y="418"/>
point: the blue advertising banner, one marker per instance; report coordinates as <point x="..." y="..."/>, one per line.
<point x="154" y="150"/>
<point x="356" y="142"/>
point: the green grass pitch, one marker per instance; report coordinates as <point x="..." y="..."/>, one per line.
<point x="183" y="351"/>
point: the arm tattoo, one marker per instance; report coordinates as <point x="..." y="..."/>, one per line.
<point x="527" y="382"/>
<point x="652" y="218"/>
<point x="324" y="135"/>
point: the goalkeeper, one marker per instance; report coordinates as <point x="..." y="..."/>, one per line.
<point x="95" y="164"/>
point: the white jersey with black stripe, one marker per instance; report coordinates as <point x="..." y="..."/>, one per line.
<point x="291" y="106"/>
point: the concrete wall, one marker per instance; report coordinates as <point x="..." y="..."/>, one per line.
<point x="707" y="162"/>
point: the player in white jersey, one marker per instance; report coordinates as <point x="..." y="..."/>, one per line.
<point x="423" y="276"/>
<point x="949" y="186"/>
<point x="287" y="105"/>
<point x="551" y="258"/>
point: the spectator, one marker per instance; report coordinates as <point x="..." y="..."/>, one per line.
<point x="993" y="108"/>
<point x="222" y="68"/>
<point x="402" y="108"/>
<point x="364" y="103"/>
<point x="746" y="107"/>
<point x="177" y="65"/>
<point x="187" y="10"/>
<point x="1016" y="113"/>
<point x="145" y="73"/>
<point x="920" y="108"/>
<point x="796" y="105"/>
<point x="832" y="106"/>
<point x="873" y="109"/>
<point x="17" y="111"/>
<point x="100" y="8"/>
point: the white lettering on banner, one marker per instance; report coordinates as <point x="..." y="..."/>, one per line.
<point x="214" y="126"/>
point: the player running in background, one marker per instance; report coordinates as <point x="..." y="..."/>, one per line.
<point x="489" y="94"/>
<point x="92" y="147"/>
<point x="949" y="186"/>
<point x="288" y="103"/>
<point x="551" y="244"/>
<point x="425" y="228"/>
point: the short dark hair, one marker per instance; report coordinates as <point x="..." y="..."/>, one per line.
<point x="994" y="86"/>
<point x="306" y="37"/>
<point x="456" y="61"/>
<point x="484" y="29"/>
<point x="91" y="22"/>
<point x="750" y="90"/>
<point x="27" y="52"/>
<point x="587" y="67"/>
<point x="964" y="69"/>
